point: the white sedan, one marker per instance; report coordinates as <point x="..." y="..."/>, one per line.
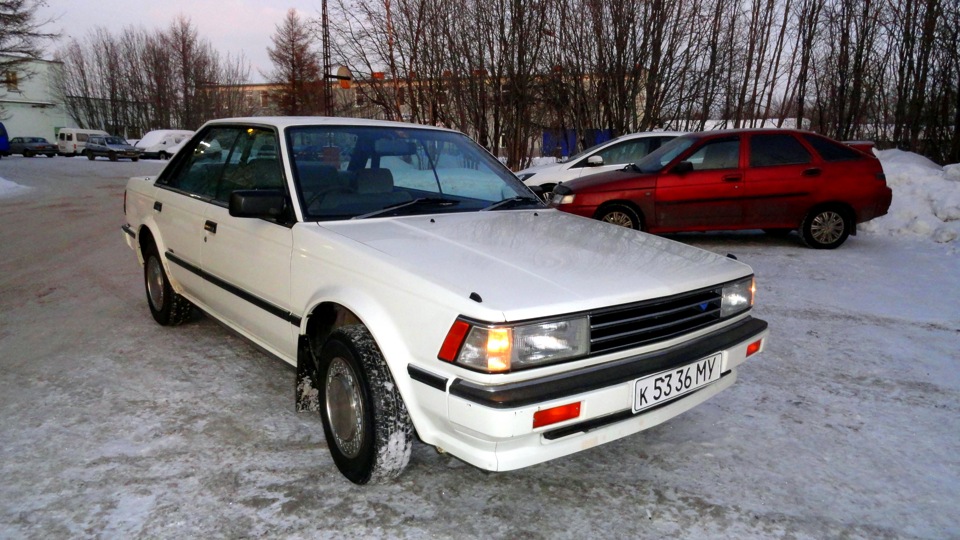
<point x="421" y="290"/>
<point x="606" y="156"/>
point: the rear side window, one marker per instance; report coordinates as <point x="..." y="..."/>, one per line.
<point x="777" y="149"/>
<point x="830" y="150"/>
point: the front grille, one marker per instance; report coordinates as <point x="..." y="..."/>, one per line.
<point x="638" y="324"/>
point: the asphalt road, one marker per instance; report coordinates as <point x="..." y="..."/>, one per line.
<point x="114" y="427"/>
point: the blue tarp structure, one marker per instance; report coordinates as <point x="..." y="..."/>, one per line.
<point x="568" y="141"/>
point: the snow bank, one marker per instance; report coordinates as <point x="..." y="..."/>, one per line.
<point x="926" y="198"/>
<point x="9" y="189"/>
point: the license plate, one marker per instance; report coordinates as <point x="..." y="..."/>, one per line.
<point x="667" y="385"/>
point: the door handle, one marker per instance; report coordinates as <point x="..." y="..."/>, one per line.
<point x="814" y="171"/>
<point x="732" y="178"/>
<point x="210" y="226"/>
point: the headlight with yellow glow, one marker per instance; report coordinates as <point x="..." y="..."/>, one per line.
<point x="498" y="349"/>
<point x="737" y="296"/>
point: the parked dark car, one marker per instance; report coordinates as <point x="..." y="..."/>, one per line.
<point x="110" y="147"/>
<point x="31" y="146"/>
<point x="775" y="180"/>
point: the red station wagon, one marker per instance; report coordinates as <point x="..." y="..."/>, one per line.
<point x="775" y="180"/>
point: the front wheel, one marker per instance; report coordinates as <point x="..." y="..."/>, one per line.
<point x="164" y="155"/>
<point x="365" y="420"/>
<point x="622" y="215"/>
<point x="167" y="307"/>
<point x="825" y="228"/>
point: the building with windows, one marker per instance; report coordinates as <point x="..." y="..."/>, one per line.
<point x="29" y="106"/>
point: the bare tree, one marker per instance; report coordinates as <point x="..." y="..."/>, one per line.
<point x="21" y="37"/>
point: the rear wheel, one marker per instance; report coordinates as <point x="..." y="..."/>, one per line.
<point x="619" y="214"/>
<point x="167" y="307"/>
<point x="826" y="227"/>
<point x="28" y="153"/>
<point x="90" y="155"/>
<point x="365" y="420"/>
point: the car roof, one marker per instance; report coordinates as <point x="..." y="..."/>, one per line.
<point x="293" y="121"/>
<point x="745" y="131"/>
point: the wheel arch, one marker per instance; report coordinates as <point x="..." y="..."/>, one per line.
<point x="845" y="208"/>
<point x="641" y="213"/>
<point x="334" y="311"/>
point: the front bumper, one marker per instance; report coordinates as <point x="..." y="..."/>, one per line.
<point x="492" y="426"/>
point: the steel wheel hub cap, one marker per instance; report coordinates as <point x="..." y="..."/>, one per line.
<point x="155" y="283"/>
<point x="344" y="407"/>
<point x="827" y="227"/>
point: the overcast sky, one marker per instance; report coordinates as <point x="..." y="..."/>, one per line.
<point x="231" y="26"/>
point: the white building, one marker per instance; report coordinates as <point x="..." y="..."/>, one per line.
<point x="29" y="106"/>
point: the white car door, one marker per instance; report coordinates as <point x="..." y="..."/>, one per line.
<point x="247" y="260"/>
<point x="182" y="200"/>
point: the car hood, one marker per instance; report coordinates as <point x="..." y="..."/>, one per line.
<point x="542" y="168"/>
<point x="526" y="264"/>
<point x="617" y="180"/>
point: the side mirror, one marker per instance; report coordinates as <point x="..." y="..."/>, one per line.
<point x="683" y="167"/>
<point x="594" y="161"/>
<point x="257" y="203"/>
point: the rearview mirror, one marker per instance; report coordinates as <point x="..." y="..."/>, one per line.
<point x="256" y="203"/>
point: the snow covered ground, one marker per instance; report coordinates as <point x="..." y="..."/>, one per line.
<point x="113" y="427"/>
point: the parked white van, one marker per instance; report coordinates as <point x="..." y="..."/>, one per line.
<point x="73" y="141"/>
<point x="158" y="143"/>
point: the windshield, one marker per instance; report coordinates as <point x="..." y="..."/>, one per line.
<point x="346" y="172"/>
<point x="590" y="150"/>
<point x="115" y="140"/>
<point x="661" y="157"/>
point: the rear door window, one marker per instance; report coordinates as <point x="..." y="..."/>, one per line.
<point x="777" y="149"/>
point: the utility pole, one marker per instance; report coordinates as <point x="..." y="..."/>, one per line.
<point x="327" y="64"/>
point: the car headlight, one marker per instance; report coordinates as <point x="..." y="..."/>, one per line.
<point x="502" y="348"/>
<point x="737" y="296"/>
<point x="559" y="198"/>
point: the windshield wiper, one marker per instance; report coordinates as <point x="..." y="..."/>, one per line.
<point x="513" y="202"/>
<point x="422" y="201"/>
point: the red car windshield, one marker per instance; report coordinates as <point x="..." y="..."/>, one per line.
<point x="659" y="158"/>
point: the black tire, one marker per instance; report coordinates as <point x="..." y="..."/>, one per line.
<point x="620" y="214"/>
<point x="135" y="159"/>
<point x="167" y="307"/>
<point x="28" y="153"/>
<point x="112" y="156"/>
<point x="826" y="227"/>
<point x="365" y="420"/>
<point x="51" y="155"/>
<point x="164" y="155"/>
<point x="90" y="155"/>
